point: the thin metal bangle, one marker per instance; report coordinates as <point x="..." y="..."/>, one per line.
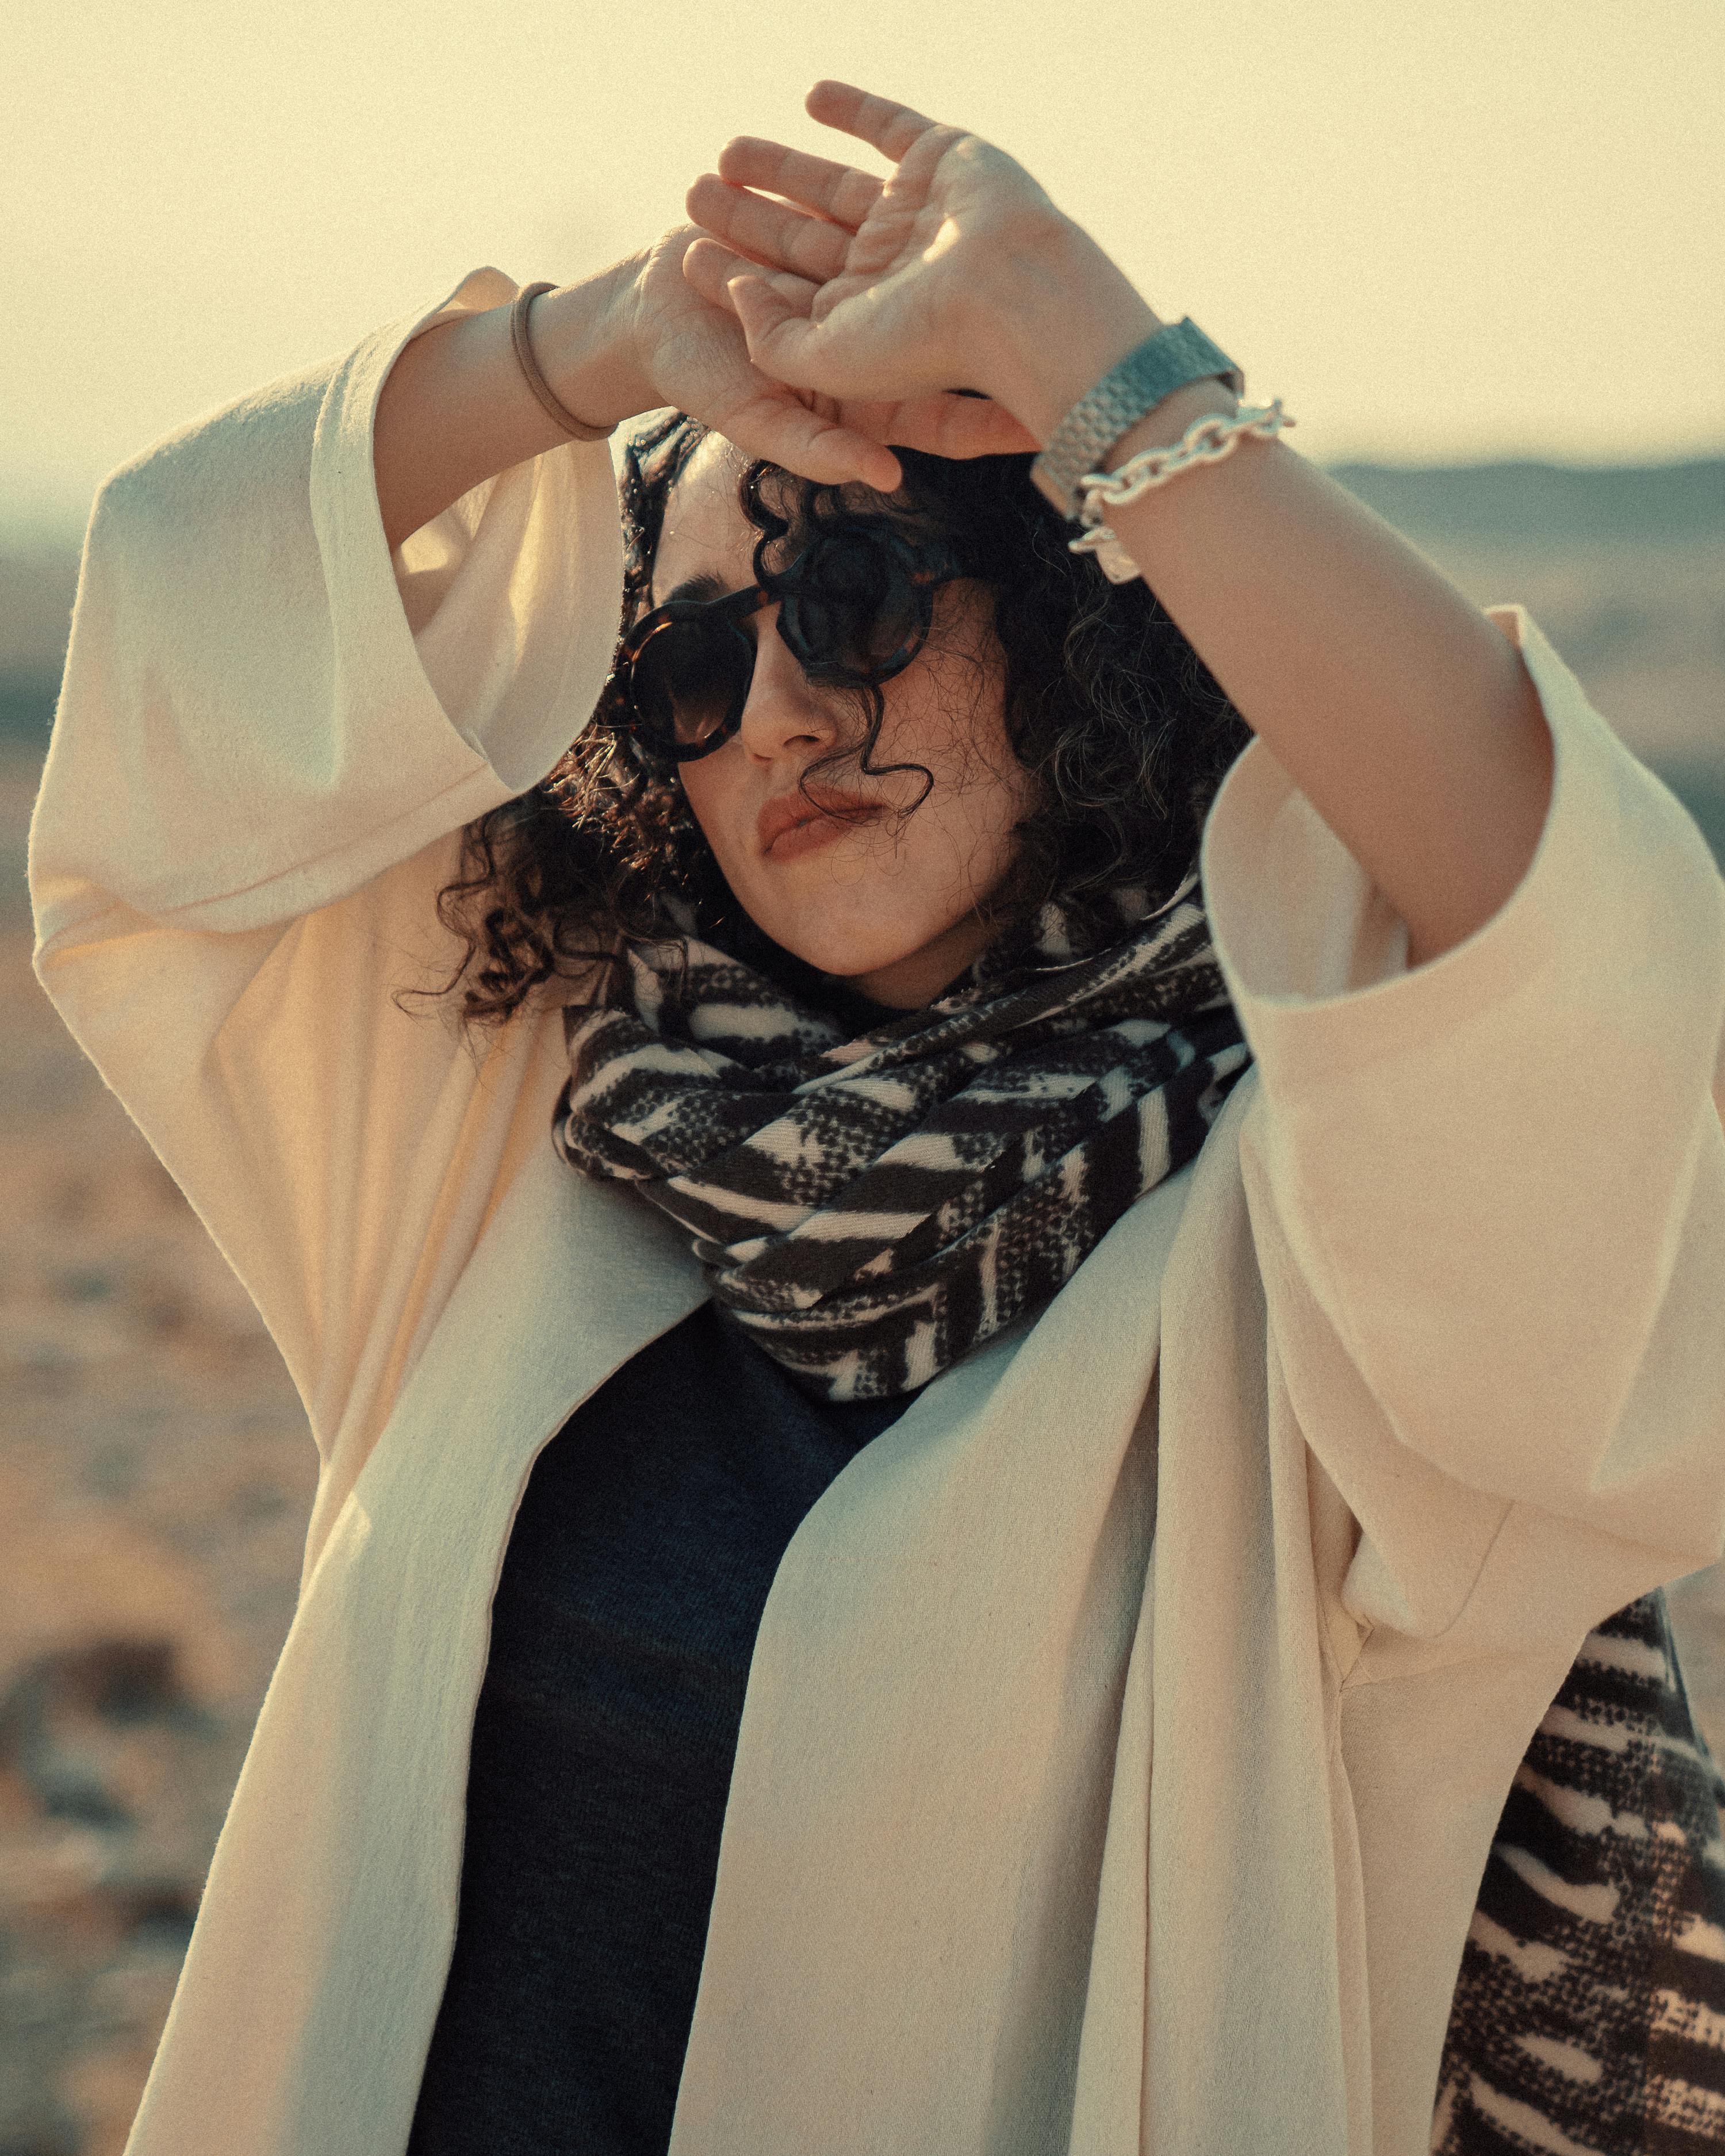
<point x="554" y="406"/>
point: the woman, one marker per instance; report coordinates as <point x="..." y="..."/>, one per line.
<point x="1153" y="1501"/>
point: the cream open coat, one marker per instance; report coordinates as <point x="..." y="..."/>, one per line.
<point x="1043" y="1837"/>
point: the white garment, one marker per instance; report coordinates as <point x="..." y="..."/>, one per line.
<point x="1418" y="1370"/>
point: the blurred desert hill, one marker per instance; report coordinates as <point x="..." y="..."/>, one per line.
<point x="156" y="1468"/>
<point x="1549" y="507"/>
<point x="1623" y="569"/>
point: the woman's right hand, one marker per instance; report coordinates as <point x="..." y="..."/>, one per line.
<point x="692" y="355"/>
<point x="456" y="409"/>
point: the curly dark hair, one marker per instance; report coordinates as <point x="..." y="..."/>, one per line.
<point x="1124" y="729"/>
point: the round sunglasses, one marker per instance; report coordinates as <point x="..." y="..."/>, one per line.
<point x="854" y="604"/>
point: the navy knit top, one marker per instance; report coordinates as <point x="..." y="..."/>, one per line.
<point x="625" y="1617"/>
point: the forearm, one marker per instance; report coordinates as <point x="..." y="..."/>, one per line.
<point x="456" y="408"/>
<point x="1396" y="706"/>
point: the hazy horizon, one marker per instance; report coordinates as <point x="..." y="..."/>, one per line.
<point x="1451" y="236"/>
<point x="1700" y="478"/>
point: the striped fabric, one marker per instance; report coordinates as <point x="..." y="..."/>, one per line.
<point x="1589" y="2014"/>
<point x="872" y="1208"/>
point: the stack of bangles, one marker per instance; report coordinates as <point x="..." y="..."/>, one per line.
<point x="1175" y="356"/>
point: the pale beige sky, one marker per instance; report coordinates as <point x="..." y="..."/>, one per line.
<point x="1447" y="230"/>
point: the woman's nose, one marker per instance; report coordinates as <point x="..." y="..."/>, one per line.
<point x="783" y="710"/>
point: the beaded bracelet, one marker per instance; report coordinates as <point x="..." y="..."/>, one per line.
<point x="1206" y="441"/>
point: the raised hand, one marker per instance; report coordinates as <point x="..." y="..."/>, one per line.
<point x="852" y="288"/>
<point x="693" y="352"/>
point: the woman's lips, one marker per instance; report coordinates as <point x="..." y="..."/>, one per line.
<point x="793" y="824"/>
<point x="820" y="830"/>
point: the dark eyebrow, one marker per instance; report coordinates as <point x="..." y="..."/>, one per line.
<point x="706" y="586"/>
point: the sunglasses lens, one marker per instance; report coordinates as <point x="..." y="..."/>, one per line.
<point x="851" y="604"/>
<point x="688" y="678"/>
<point x="853" y="609"/>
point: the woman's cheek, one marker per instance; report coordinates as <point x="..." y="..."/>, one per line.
<point x="718" y="808"/>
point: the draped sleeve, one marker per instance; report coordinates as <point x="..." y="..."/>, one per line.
<point x="271" y="735"/>
<point x="1487" y="1195"/>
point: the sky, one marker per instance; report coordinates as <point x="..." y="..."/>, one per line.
<point x="1448" y="231"/>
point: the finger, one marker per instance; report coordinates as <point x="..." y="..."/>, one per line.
<point x="772" y="308"/>
<point x="838" y="192"/>
<point x="773" y="311"/>
<point x="768" y="231"/>
<point x="698" y="238"/>
<point x="892" y="128"/>
<point x="771" y="424"/>
<point x="710" y="267"/>
<point x="944" y="425"/>
<point x="957" y="427"/>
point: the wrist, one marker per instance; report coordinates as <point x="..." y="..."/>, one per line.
<point x="1166" y="423"/>
<point x="1064" y="318"/>
<point x="585" y="342"/>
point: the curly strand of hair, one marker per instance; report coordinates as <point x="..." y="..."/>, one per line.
<point x="1106" y="704"/>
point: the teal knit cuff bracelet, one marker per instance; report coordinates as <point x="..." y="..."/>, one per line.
<point x="1163" y="363"/>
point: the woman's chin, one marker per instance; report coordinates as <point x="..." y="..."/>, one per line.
<point x="847" y="959"/>
<point x="908" y="966"/>
<point x="842" y="926"/>
<point x="900" y="938"/>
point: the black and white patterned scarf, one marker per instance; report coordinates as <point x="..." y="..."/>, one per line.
<point x="1588" y="2018"/>
<point x="872" y="1208"/>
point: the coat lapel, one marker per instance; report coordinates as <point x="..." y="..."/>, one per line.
<point x="900" y="1942"/>
<point x="329" y="1960"/>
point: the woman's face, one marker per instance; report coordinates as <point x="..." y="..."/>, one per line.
<point x="885" y="900"/>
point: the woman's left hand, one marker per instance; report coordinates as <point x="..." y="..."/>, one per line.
<point x="957" y="269"/>
<point x="1408" y="721"/>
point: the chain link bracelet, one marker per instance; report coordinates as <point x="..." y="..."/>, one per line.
<point x="1206" y="441"/>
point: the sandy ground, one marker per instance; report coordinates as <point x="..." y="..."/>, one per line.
<point x="157" y="1469"/>
<point x="154" y="1484"/>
